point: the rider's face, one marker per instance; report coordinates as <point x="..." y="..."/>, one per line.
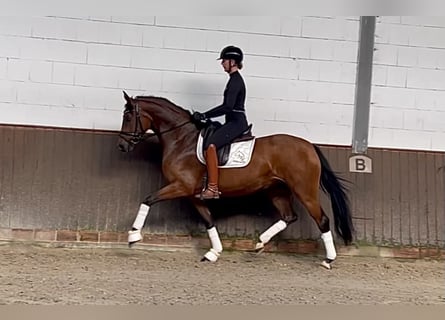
<point x="227" y="64"/>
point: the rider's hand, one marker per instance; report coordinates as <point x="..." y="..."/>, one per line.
<point x="198" y="116"/>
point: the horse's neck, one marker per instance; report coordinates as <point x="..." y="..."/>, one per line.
<point x="173" y="121"/>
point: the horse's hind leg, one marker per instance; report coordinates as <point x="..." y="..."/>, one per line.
<point x="281" y="199"/>
<point x="310" y="201"/>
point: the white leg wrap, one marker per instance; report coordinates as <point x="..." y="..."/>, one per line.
<point x="329" y="245"/>
<point x="214" y="240"/>
<point x="134" y="236"/>
<point x="273" y="230"/>
<point x="140" y="218"/>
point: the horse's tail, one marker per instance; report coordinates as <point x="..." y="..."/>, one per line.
<point x="333" y="185"/>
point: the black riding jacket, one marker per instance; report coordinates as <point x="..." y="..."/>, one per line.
<point x="234" y="99"/>
<point x="233" y="109"/>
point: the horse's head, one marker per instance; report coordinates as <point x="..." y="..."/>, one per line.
<point x="135" y="124"/>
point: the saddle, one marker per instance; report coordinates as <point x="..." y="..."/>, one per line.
<point x="224" y="152"/>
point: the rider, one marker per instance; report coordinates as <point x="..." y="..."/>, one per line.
<point x="235" y="117"/>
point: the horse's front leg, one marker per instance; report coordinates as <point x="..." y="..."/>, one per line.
<point x="171" y="191"/>
<point x="216" y="249"/>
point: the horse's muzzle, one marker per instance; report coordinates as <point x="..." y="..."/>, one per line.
<point x="124" y="146"/>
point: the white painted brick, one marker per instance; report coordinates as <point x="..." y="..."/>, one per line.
<point x="11" y="47"/>
<point x="142" y="20"/>
<point x="333" y="72"/>
<point x="102" y="54"/>
<point x="309" y="70"/>
<point x="216" y="41"/>
<point x="102" y="98"/>
<point x="438" y="141"/>
<point x="396" y="77"/>
<point x="291" y="26"/>
<point x="138" y="79"/>
<point x="15" y="26"/>
<point x="404" y="139"/>
<point x="300" y="48"/>
<point x="321" y="49"/>
<point x="267" y="45"/>
<point x="88" y="31"/>
<point x="153" y="37"/>
<point x="53" y="50"/>
<point x="386" y="118"/>
<point x="49" y="95"/>
<point x="434" y="121"/>
<point x="40" y="71"/>
<point x="163" y="59"/>
<point x="63" y="73"/>
<point x="395" y="34"/>
<point x="427" y="37"/>
<point x="131" y="35"/>
<point x="331" y="92"/>
<point x="266" y="88"/>
<point x="8" y="92"/>
<point x="428" y="21"/>
<point x="298" y="90"/>
<point x="319" y="113"/>
<point x="280" y="68"/>
<point x="251" y="24"/>
<point x="194" y="83"/>
<point x="95" y="76"/>
<point x="175" y="38"/>
<point x="109" y="33"/>
<point x="389" y="19"/>
<point x="413" y="120"/>
<point x="393" y="97"/>
<point x="24" y="70"/>
<point x="100" y="18"/>
<point x="103" y="120"/>
<point x="338" y="28"/>
<point x="379" y="74"/>
<point x="197" y="22"/>
<point x="3" y="68"/>
<point x="431" y="58"/>
<point x="56" y="28"/>
<point x="206" y="62"/>
<point x="18" y="70"/>
<point x="345" y="51"/>
<point x="407" y="56"/>
<point x="426" y="100"/>
<point x="426" y="79"/>
<point x="385" y="55"/>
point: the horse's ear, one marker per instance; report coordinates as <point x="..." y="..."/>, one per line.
<point x="126" y="96"/>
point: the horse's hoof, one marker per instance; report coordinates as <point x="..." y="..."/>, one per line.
<point x="211" y="255"/>
<point x="259" y="248"/>
<point x="204" y="259"/>
<point x="327" y="263"/>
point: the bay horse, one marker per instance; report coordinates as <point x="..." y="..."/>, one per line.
<point x="281" y="164"/>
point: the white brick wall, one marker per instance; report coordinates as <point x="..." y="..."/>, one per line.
<point x="408" y="93"/>
<point x="70" y="71"/>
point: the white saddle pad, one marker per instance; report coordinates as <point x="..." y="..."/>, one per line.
<point x="239" y="156"/>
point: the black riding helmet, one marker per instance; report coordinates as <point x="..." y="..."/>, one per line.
<point x="231" y="52"/>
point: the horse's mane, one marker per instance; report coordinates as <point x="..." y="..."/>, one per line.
<point x="164" y="100"/>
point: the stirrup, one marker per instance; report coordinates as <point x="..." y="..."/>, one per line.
<point x="206" y="196"/>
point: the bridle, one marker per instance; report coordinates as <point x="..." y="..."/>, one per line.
<point x="139" y="133"/>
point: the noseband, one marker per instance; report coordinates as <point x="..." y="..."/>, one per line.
<point x="139" y="134"/>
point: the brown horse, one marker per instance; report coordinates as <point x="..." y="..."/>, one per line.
<point x="283" y="165"/>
